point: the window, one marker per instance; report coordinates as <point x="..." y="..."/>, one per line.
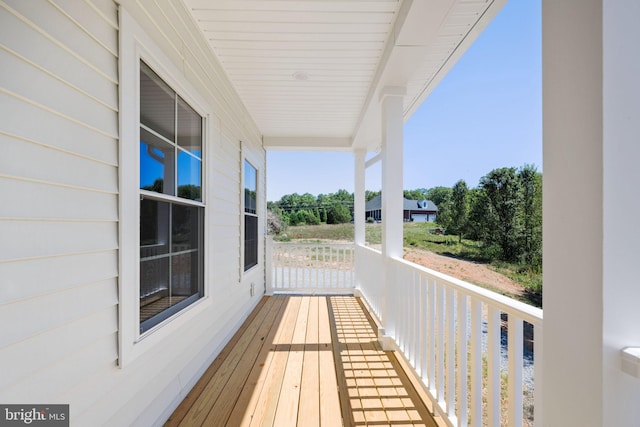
<point x="250" y="216"/>
<point x="171" y="203"/>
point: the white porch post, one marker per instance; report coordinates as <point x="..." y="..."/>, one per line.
<point x="572" y="212"/>
<point x="591" y="122"/>
<point x="358" y="196"/>
<point x="392" y="196"/>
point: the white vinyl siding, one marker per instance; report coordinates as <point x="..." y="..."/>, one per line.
<point x="169" y="359"/>
<point x="61" y="268"/>
<point x="59" y="192"/>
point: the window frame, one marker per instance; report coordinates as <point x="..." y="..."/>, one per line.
<point x="244" y="268"/>
<point x="135" y="46"/>
<point x="173" y="199"/>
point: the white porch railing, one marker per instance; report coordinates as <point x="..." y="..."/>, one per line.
<point x="472" y="348"/>
<point x="459" y="339"/>
<point x="370" y="279"/>
<point x="310" y="268"/>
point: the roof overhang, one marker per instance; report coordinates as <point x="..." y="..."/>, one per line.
<point x="311" y="72"/>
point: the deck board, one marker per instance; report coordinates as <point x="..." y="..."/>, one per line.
<point x="248" y="398"/>
<point x="330" y="414"/>
<point x="309" y="406"/>
<point x="195" y="395"/>
<point x="265" y="410"/>
<point x="238" y="357"/>
<point x="304" y="361"/>
<point x="287" y="409"/>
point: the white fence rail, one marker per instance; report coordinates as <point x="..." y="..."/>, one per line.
<point x="310" y="267"/>
<point x="473" y="349"/>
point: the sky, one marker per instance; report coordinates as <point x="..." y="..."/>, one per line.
<point x="485" y="114"/>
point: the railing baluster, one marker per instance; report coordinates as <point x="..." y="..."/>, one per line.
<point x="397" y="313"/>
<point x="402" y="308"/>
<point x="292" y="268"/>
<point x="326" y="255"/>
<point x="450" y="348"/>
<point x="340" y="269"/>
<point x="476" y="363"/>
<point x="303" y="266"/>
<point x="300" y="254"/>
<point x="298" y="281"/>
<point x="415" y="316"/>
<point x="275" y="256"/>
<point x="406" y="313"/>
<point x="280" y="272"/>
<point x="440" y="316"/>
<point x="537" y="375"/>
<point x="461" y="368"/>
<point x="316" y="264"/>
<point x="329" y="267"/>
<point x="324" y="264"/>
<point x="515" y="371"/>
<point x="493" y="367"/>
<point x="410" y="315"/>
<point x="421" y="364"/>
<point x="289" y="268"/>
<point x="431" y="335"/>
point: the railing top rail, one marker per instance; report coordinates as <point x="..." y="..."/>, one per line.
<point x="506" y="304"/>
<point x="315" y="244"/>
<point x="370" y="249"/>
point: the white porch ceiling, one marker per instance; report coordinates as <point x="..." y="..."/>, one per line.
<point x="310" y="71"/>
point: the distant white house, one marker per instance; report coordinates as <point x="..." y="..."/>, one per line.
<point x="413" y="210"/>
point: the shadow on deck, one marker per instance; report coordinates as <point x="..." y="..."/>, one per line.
<point x="304" y="361"/>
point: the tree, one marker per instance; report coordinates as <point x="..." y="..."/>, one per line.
<point x="189" y="191"/>
<point x="338" y="214"/>
<point x="442" y="198"/>
<point x="275" y="223"/>
<point x="481" y="219"/>
<point x="502" y="188"/>
<point x="370" y="195"/>
<point x="438" y="195"/>
<point x="417" y="194"/>
<point x="295" y="218"/>
<point x="459" y="206"/>
<point x="308" y="217"/>
<point x="531" y="214"/>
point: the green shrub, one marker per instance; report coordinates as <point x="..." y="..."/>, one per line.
<point x="338" y="214"/>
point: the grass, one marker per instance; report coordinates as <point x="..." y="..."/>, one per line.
<point x="417" y="235"/>
<point x="530" y="280"/>
<point x="338" y="232"/>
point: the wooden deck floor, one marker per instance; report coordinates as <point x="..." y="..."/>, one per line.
<point x="304" y="361"/>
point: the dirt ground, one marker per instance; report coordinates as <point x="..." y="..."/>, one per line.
<point x="469" y="271"/>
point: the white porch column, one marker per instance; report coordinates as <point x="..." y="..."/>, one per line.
<point x="591" y="122"/>
<point x="392" y="195"/>
<point x="572" y="212"/>
<point x="392" y="187"/>
<point x="358" y="196"/>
